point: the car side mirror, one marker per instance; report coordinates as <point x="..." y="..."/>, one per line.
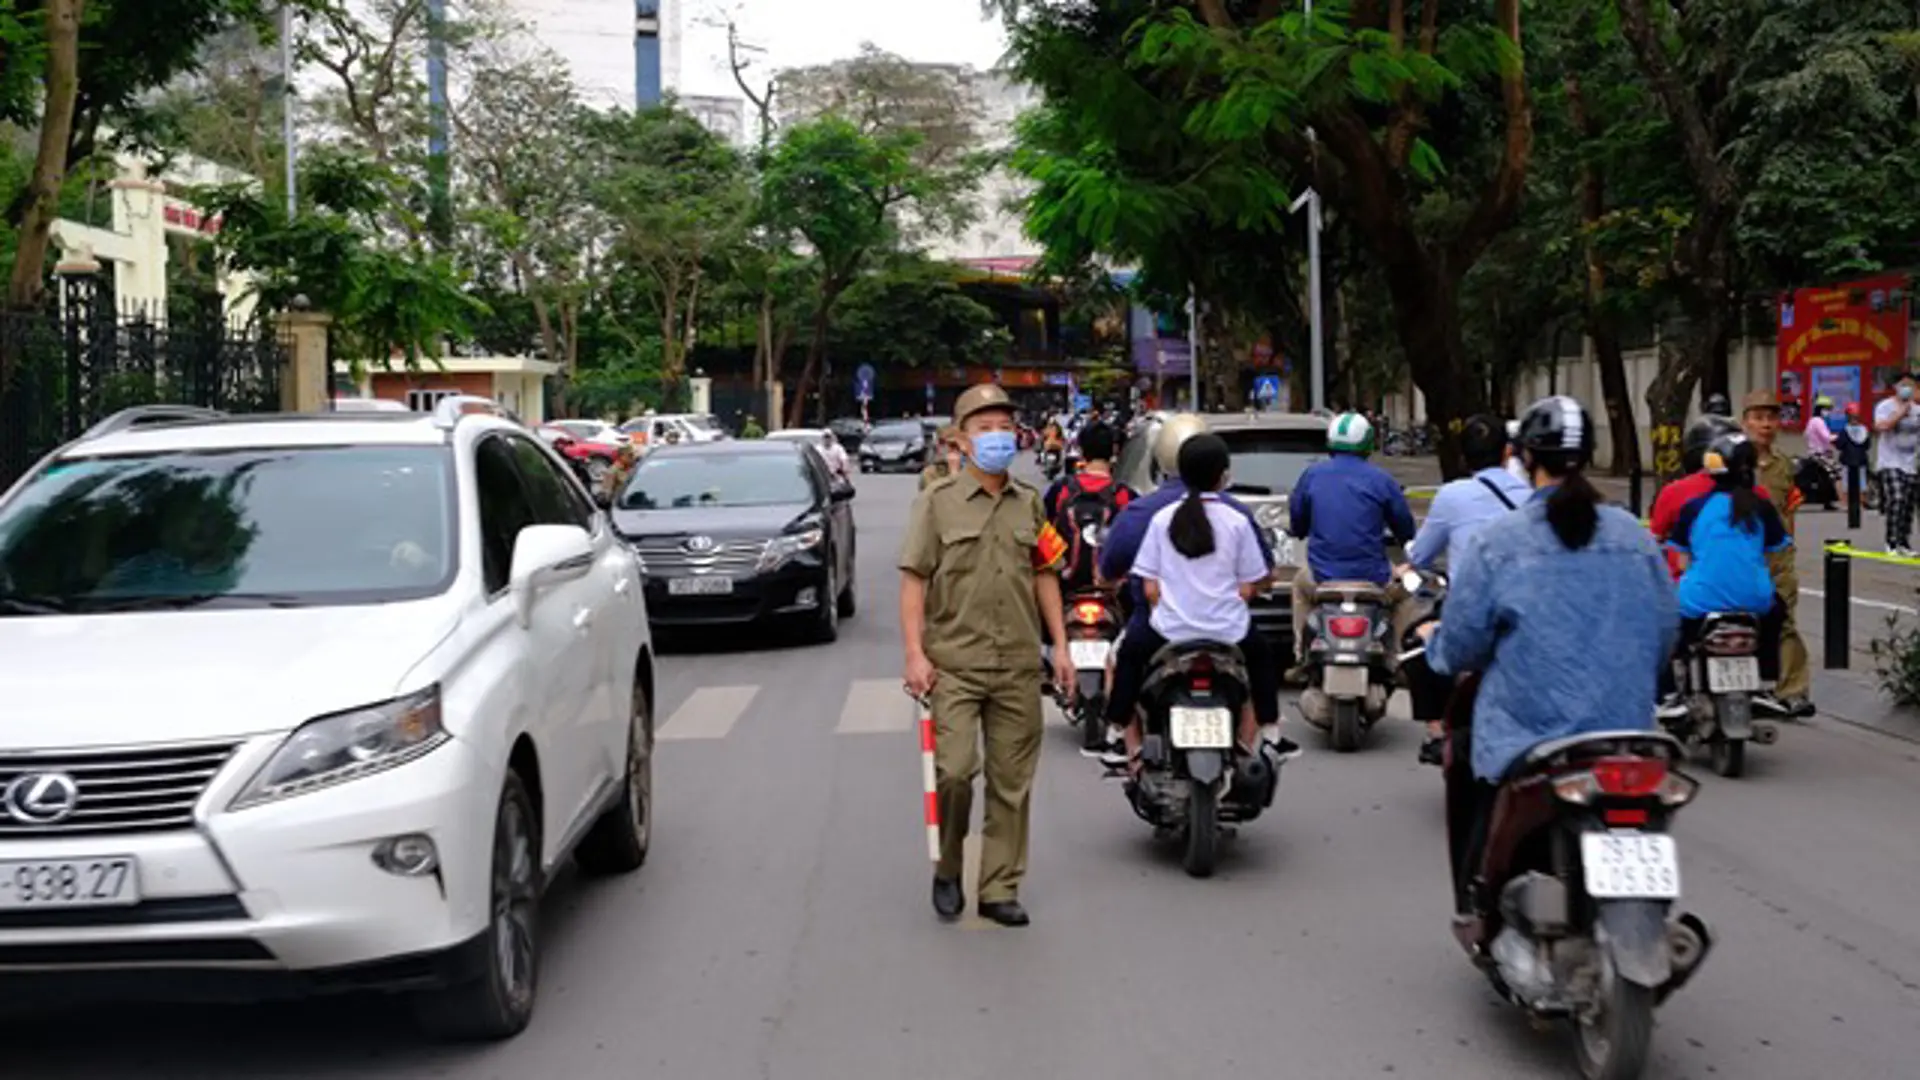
<point x="841" y="491"/>
<point x="544" y="556"/>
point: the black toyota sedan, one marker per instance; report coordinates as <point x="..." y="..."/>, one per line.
<point x="741" y="532"/>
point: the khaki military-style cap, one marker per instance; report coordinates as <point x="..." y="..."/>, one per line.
<point x="980" y="398"/>
<point x="1761" y="399"/>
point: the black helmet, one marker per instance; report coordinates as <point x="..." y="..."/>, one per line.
<point x="1731" y="454"/>
<point x="1557" y="428"/>
<point x="1717" y="404"/>
<point x="1693" y="445"/>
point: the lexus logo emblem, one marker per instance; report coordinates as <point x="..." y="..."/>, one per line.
<point x="42" y="798"/>
<point x="700" y="545"/>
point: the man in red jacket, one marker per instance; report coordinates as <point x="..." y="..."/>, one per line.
<point x="1696" y="483"/>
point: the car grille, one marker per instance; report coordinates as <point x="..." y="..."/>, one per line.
<point x="670" y="556"/>
<point x="120" y="791"/>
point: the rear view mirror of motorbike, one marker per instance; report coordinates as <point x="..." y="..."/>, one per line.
<point x="1411" y="581"/>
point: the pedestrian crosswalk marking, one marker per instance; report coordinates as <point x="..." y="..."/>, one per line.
<point x="709" y="713"/>
<point x="875" y="707"/>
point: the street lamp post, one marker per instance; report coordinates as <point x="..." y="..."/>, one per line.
<point x="1317" y="369"/>
<point x="286" y="108"/>
<point x="1193" y="349"/>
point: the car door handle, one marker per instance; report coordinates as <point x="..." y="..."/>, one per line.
<point x="583" y="618"/>
<point x="621" y="585"/>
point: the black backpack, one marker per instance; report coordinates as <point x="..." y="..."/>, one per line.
<point x="1082" y="521"/>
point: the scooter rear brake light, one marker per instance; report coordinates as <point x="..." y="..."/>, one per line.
<point x="1089" y="611"/>
<point x="1347" y="626"/>
<point x="1200" y="672"/>
<point x="1731" y="643"/>
<point x="1582" y="788"/>
<point x="1631" y="777"/>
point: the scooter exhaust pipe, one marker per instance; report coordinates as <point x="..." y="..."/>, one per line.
<point x="1766" y="734"/>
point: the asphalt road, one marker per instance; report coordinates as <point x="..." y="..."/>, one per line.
<point x="782" y="929"/>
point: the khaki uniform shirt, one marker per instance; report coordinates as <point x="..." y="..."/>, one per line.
<point x="1776" y="475"/>
<point x="933" y="474"/>
<point x="979" y="553"/>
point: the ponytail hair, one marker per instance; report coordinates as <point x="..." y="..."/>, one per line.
<point x="1203" y="466"/>
<point x="1573" y="510"/>
<point x="1190" y="531"/>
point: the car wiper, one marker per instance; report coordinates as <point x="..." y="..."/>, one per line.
<point x="183" y="601"/>
<point x="22" y="604"/>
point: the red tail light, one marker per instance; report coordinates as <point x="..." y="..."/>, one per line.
<point x="1089" y="611"/>
<point x="1630" y="777"/>
<point x="1347" y="626"/>
<point x="1731" y="643"/>
<point x="1625" y="818"/>
<point x="1200" y="672"/>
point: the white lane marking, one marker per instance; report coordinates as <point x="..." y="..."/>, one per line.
<point x="1882" y="605"/>
<point x="876" y="707"/>
<point x="709" y="713"/>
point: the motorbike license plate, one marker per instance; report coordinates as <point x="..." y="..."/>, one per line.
<point x="1733" y="674"/>
<point x="1089" y="655"/>
<point x="700" y="586"/>
<point x="1344" y="681"/>
<point x="109" y="881"/>
<point x="1201" y="729"/>
<point x="1630" y="865"/>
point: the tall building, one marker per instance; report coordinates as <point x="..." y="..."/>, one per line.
<point x="623" y="53"/>
<point x="724" y="116"/>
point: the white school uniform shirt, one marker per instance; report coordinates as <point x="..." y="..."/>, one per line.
<point x="1200" y="598"/>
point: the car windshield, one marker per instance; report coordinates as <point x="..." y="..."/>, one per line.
<point x="239" y="528"/>
<point x="897" y="429"/>
<point x="1269" y="460"/>
<point x="687" y="481"/>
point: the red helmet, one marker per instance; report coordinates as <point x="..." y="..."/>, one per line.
<point x="1853" y="410"/>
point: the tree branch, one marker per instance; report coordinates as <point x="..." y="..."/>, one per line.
<point x="1501" y="199"/>
<point x="1709" y="176"/>
<point x="1214" y="12"/>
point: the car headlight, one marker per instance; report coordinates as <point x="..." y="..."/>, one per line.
<point x="345" y="746"/>
<point x="781" y="548"/>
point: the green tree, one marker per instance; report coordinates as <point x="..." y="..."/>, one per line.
<point x="909" y="312"/>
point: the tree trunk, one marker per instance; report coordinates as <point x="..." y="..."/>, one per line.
<point x="816" y="351"/>
<point x="1684" y="359"/>
<point x="1613" y="390"/>
<point x="1427" y="317"/>
<point x="50" y="163"/>
<point x="672" y="367"/>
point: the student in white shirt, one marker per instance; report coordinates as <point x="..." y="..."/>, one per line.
<point x="1200" y="563"/>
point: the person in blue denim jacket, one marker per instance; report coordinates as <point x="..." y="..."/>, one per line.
<point x="1566" y="609"/>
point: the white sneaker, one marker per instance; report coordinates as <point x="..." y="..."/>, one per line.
<point x="1673" y="708"/>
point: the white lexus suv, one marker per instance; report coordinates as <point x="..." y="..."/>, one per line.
<point x="303" y="703"/>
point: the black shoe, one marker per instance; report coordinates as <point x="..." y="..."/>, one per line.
<point x="1006" y="913"/>
<point x="949" y="900"/>
<point x="1433" y="751"/>
<point x="1802" y="707"/>
<point x="1767" y="701"/>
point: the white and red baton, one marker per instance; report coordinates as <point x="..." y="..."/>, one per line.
<point x="931" y="794"/>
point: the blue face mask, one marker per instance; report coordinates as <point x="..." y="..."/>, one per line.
<point x="993" y="451"/>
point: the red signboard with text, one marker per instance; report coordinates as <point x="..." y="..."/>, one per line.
<point x="1847" y="342"/>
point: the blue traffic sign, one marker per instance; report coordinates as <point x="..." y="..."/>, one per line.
<point x="1266" y="390"/>
<point x="863" y="382"/>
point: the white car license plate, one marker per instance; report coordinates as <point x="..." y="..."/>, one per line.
<point x="1631" y="865"/>
<point x="700" y="586"/>
<point x="109" y="881"/>
<point x="1733" y="674"/>
<point x="1201" y="729"/>
<point x="1089" y="655"/>
<point x="1342" y="681"/>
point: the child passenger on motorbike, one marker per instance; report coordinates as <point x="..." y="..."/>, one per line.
<point x="1201" y="562"/>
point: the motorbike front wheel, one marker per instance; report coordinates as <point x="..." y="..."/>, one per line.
<point x="1613" y="1042"/>
<point x="1203" y="830"/>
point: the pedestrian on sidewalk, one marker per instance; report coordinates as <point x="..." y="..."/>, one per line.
<point x="1897" y="423"/>
<point x="1761" y="418"/>
<point x="979" y="577"/>
<point x="1851" y="443"/>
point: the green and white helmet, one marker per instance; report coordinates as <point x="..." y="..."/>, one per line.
<point x="1350" y="434"/>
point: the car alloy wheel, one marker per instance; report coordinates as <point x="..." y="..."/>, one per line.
<point x="516" y="900"/>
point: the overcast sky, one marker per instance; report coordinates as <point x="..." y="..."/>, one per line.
<point x="799" y="32"/>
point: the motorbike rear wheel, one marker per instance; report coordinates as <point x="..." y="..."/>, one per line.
<point x="1347" y="729"/>
<point x="1729" y="757"/>
<point x="1614" y="1045"/>
<point x="1203" y="830"/>
<point x="1093" y="724"/>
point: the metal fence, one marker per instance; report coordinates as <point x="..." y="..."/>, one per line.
<point x="83" y="357"/>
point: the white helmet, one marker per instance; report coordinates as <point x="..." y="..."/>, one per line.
<point x="1350" y="433"/>
<point x="1177" y="429"/>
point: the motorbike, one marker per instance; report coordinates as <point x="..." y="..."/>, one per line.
<point x="1718" y="676"/>
<point x="1349" y="669"/>
<point x="1050" y="463"/>
<point x="1093" y="622"/>
<point x="1190" y="784"/>
<point x="1575" y="890"/>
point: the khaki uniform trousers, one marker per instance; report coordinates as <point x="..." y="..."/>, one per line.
<point x="1796" y="675"/>
<point x="1000" y="711"/>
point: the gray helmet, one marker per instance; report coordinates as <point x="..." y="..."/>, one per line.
<point x="1177" y="429"/>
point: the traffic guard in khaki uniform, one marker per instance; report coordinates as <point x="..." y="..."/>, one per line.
<point x="979" y="577"/>
<point x="1760" y="416"/>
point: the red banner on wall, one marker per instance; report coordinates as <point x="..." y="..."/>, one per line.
<point x="1847" y="342"/>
